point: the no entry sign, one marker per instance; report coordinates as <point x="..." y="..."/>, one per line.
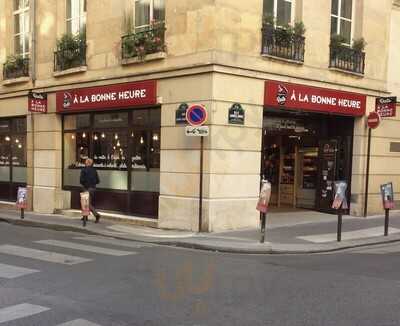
<point x="196" y="115"/>
<point x="373" y="120"/>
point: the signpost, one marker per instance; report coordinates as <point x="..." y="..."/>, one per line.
<point x="22" y="200"/>
<point x="388" y="202"/>
<point x="340" y="203"/>
<point x="373" y="122"/>
<point x="197" y="115"/>
<point x="262" y="205"/>
<point x="37" y="102"/>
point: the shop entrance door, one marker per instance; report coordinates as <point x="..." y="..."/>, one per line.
<point x="334" y="164"/>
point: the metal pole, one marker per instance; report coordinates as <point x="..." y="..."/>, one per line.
<point x="339" y="225"/>
<point x="263" y="217"/>
<point x="22" y="214"/>
<point x="201" y="185"/>
<point x="367" y="173"/>
<point x="386" y="222"/>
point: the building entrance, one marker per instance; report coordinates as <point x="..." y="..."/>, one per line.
<point x="303" y="154"/>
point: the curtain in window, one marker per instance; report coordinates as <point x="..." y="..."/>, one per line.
<point x="76" y="16"/>
<point x="142" y="12"/>
<point x="281" y="10"/>
<point x="21" y="27"/>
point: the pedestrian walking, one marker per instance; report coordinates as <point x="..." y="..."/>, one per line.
<point x="89" y="179"/>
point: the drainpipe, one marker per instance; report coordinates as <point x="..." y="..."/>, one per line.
<point x="33" y="77"/>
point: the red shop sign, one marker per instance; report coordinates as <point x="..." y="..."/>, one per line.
<point x="300" y="97"/>
<point x="37" y="102"/>
<point x="386" y="106"/>
<point x="107" y="97"/>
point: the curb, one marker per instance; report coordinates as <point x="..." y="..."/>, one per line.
<point x="198" y="246"/>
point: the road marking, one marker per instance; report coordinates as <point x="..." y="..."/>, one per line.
<point x="79" y="322"/>
<point x="10" y="272"/>
<point x="48" y="256"/>
<point x="77" y="246"/>
<point x="20" y="311"/>
<point x="115" y="242"/>
<point x="350" y="235"/>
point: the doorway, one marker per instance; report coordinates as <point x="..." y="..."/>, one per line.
<point x="303" y="154"/>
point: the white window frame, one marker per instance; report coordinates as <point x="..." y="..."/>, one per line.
<point x="25" y="30"/>
<point x="79" y="19"/>
<point x="292" y="12"/>
<point x="339" y="17"/>
<point x="151" y="14"/>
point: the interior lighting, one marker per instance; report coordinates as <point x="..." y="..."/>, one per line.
<point x="17" y="140"/>
<point x="103" y="135"/>
<point x="19" y="146"/>
<point x="95" y="137"/>
<point x="141" y="140"/>
<point x="72" y="136"/>
<point x="118" y="143"/>
<point x="155" y="137"/>
<point x="83" y="135"/>
<point x="7" y="138"/>
<point x="116" y="136"/>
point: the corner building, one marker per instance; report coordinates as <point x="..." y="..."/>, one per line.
<point x="289" y="105"/>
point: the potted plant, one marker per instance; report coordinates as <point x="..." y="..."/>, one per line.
<point x="299" y="29"/>
<point x="70" y="49"/>
<point x="359" y="44"/>
<point x="14" y="63"/>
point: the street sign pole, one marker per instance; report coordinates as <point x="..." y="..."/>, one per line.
<point x="367" y="173"/>
<point x="201" y="185"/>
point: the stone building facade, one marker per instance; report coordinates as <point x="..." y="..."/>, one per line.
<point x="212" y="52"/>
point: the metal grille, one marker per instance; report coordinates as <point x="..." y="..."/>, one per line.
<point x="345" y="58"/>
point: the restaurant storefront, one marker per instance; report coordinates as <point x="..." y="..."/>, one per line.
<point x="118" y="126"/>
<point x="308" y="143"/>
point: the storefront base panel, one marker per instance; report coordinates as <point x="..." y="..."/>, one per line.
<point x="218" y="215"/>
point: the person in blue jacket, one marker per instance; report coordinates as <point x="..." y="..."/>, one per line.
<point x="89" y="179"/>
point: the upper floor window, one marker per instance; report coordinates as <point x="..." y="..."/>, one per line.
<point x="148" y="11"/>
<point x="21" y="27"/>
<point x="76" y="16"/>
<point x="281" y="10"/>
<point x="341" y="19"/>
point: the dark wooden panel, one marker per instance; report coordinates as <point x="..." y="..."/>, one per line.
<point x="111" y="200"/>
<point x="144" y="204"/>
<point x="5" y="191"/>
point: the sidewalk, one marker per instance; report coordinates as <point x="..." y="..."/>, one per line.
<point x="306" y="232"/>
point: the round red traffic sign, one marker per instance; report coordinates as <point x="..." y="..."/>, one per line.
<point x="196" y="115"/>
<point x="373" y="120"/>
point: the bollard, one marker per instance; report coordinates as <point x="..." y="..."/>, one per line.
<point x="339" y="225"/>
<point x="263" y="217"/>
<point x="386" y="222"/>
<point x="22" y="213"/>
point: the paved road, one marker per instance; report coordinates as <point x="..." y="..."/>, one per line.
<point x="50" y="278"/>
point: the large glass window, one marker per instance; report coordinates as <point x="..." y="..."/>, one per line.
<point x="341" y="19"/>
<point x="21" y="27"/>
<point x="76" y="16"/>
<point x="281" y="10"/>
<point x="125" y="147"/>
<point x="147" y="11"/>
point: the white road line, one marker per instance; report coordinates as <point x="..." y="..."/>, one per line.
<point x="48" y="256"/>
<point x="349" y="235"/>
<point x="77" y="246"/>
<point x="79" y="322"/>
<point x="115" y="242"/>
<point x="20" y="311"/>
<point x="10" y="272"/>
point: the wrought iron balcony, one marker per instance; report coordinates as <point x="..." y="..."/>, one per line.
<point x="141" y="43"/>
<point x="16" y="68"/>
<point x="279" y="42"/>
<point x="345" y="58"/>
<point x="70" y="58"/>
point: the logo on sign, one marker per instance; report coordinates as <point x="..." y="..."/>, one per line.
<point x="67" y="100"/>
<point x="282" y="94"/>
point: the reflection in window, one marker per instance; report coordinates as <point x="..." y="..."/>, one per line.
<point x="281" y="10"/>
<point x="110" y="150"/>
<point x="76" y="16"/>
<point x="341" y="19"/>
<point x="21" y="27"/>
<point x="147" y="11"/>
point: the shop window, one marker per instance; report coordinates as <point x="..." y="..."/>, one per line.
<point x="5" y="158"/>
<point x="140" y="117"/>
<point x="111" y="120"/>
<point x="341" y="19"/>
<point x="21" y="27"/>
<point x="76" y="16"/>
<point x="281" y="10"/>
<point x="76" y="121"/>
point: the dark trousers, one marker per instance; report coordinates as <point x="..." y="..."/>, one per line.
<point x="91" y="200"/>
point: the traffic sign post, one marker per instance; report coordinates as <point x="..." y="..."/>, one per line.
<point x="196" y="116"/>
<point x="373" y="122"/>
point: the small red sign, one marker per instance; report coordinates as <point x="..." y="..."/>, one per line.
<point x="37" y="102"/>
<point x="301" y="97"/>
<point x="373" y="120"/>
<point x="386" y="106"/>
<point x="107" y="97"/>
<point x="196" y="115"/>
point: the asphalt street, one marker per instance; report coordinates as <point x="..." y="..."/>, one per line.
<point x="53" y="278"/>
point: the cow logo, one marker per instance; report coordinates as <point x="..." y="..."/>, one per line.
<point x="67" y="100"/>
<point x="282" y="94"/>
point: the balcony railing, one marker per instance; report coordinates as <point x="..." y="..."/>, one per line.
<point x="346" y="58"/>
<point x="141" y="43"/>
<point x="279" y="42"/>
<point x="16" y="69"/>
<point x="70" y="58"/>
